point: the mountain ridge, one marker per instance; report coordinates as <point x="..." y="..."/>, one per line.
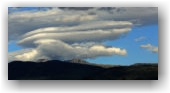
<point x="64" y="70"/>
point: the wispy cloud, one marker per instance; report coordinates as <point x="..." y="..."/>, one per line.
<point x="140" y="38"/>
<point x="150" y="47"/>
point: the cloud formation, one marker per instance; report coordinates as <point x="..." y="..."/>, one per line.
<point x="55" y="49"/>
<point x="74" y="36"/>
<point x="17" y="55"/>
<point x="67" y="33"/>
<point x="150" y="47"/>
<point x="22" y="22"/>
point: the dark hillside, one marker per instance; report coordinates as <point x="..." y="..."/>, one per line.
<point x="62" y="70"/>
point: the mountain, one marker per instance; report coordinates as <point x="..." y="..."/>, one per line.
<point x="78" y="70"/>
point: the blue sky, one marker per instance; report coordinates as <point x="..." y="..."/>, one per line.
<point x="135" y="52"/>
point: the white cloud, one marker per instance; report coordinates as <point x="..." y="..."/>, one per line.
<point x="84" y="27"/>
<point x="55" y="49"/>
<point x="27" y="56"/>
<point x="75" y="36"/>
<point x="150" y="47"/>
<point x="12" y="55"/>
<point x="66" y="51"/>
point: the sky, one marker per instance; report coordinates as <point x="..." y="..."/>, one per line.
<point x="103" y="35"/>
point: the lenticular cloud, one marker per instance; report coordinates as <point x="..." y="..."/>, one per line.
<point x="54" y="34"/>
<point x="62" y="43"/>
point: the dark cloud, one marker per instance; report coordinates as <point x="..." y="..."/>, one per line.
<point x="136" y="15"/>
